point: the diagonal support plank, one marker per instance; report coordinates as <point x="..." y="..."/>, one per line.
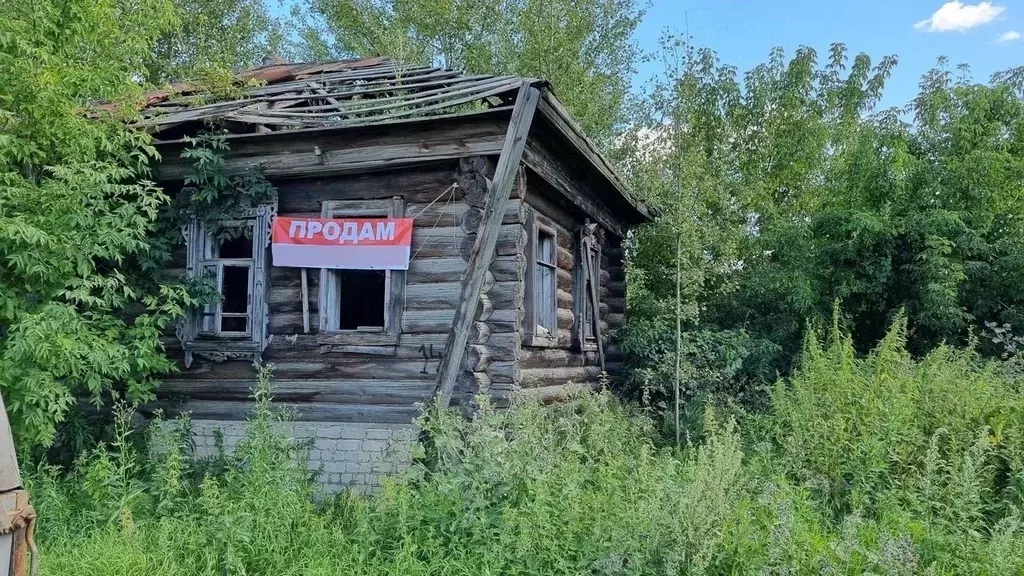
<point x="487" y="238"/>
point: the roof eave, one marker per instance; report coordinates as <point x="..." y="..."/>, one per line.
<point x="556" y="113"/>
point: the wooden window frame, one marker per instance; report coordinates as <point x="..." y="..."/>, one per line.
<point x="584" y="335"/>
<point x="548" y="336"/>
<point x="195" y="332"/>
<point x="215" y="310"/>
<point x="394" y="282"/>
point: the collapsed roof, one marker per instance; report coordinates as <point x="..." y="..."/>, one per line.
<point x="355" y="93"/>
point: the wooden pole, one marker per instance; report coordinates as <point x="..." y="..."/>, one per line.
<point x="486" y="239"/>
<point x="305" y="301"/>
<point x="679" y="326"/>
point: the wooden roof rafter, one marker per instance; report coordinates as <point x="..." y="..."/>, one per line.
<point x="310" y="98"/>
<point x="351" y="93"/>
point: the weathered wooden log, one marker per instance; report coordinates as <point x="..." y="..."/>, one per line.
<point x="341" y="391"/>
<point x="289" y="322"/>
<point x="446" y="213"/>
<point x="430" y="270"/>
<point x="418" y="187"/>
<point x="484" y="309"/>
<point x="477" y="358"/>
<point x="564" y="299"/>
<point x="505" y="320"/>
<point x="297" y="158"/>
<point x="539" y="358"/>
<point x="509" y="268"/>
<point x="565" y="318"/>
<point x="471" y="219"/>
<point x="511" y="241"/>
<point x="473" y="185"/>
<point x="564" y="279"/>
<point x="303" y="412"/>
<point x="312" y="367"/>
<point x="472" y="383"/>
<point x="427" y="321"/>
<point x="615" y="304"/>
<point x="503" y="372"/>
<point x="566" y="260"/>
<point x="506" y="295"/>
<point x="551" y="376"/>
<point x="479" y="333"/>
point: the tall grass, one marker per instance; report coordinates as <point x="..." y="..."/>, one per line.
<point x="877" y="465"/>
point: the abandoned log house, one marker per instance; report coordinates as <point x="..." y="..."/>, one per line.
<point x="433" y="233"/>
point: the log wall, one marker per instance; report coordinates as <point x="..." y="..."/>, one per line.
<point x="549" y="371"/>
<point x="368" y="381"/>
<point x="377" y="381"/>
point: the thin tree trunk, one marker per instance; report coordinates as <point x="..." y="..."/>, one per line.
<point x="679" y="327"/>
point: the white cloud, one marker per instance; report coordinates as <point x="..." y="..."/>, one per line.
<point x="1009" y="36"/>
<point x="958" y="16"/>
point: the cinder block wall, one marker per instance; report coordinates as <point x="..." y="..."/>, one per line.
<point x="350" y="455"/>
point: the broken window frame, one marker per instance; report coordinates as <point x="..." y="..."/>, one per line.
<point x="329" y="295"/>
<point x="204" y="337"/>
<point x="211" y="325"/>
<point x="538" y="330"/>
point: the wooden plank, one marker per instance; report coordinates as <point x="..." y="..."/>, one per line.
<point x="340" y="391"/>
<point x="348" y="151"/>
<point x="542" y="161"/>
<point x="237" y="410"/>
<point x="589" y="273"/>
<point x="487" y="238"/>
<point x="553" y="111"/>
<point x="305" y="301"/>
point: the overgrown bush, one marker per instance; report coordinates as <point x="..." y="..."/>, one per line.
<point x="783" y="189"/>
<point x="874" y="465"/>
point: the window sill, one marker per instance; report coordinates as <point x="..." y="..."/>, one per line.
<point x="357" y="338"/>
<point x="221" y="345"/>
<point x="541" y="341"/>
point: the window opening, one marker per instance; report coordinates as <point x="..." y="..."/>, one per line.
<point x="362" y="298"/>
<point x="546" y="282"/>
<point x="228" y="265"/>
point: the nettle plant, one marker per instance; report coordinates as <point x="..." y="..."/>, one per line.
<point x="1002" y="336"/>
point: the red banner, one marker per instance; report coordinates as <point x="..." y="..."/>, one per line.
<point x="349" y="243"/>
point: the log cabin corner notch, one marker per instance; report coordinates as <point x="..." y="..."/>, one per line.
<point x="516" y="279"/>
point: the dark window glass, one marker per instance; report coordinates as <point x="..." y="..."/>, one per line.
<point x="237" y="247"/>
<point x="361" y="299"/>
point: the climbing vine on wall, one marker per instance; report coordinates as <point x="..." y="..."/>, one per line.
<point x="210" y="192"/>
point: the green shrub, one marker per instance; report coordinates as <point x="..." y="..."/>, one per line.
<point x="874" y="465"/>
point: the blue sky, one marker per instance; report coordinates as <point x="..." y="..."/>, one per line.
<point x="917" y="31"/>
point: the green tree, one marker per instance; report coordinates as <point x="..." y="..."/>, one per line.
<point x="791" y="193"/>
<point x="75" y="209"/>
<point x="213" y="37"/>
<point x="584" y="47"/>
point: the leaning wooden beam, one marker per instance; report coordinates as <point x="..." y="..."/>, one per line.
<point x="487" y="238"/>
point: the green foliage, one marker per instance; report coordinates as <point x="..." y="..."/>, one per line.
<point x="214" y="36"/>
<point x="875" y="465"/>
<point x="583" y="47"/>
<point x="75" y="211"/>
<point x="787" y="193"/>
<point x="211" y="193"/>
